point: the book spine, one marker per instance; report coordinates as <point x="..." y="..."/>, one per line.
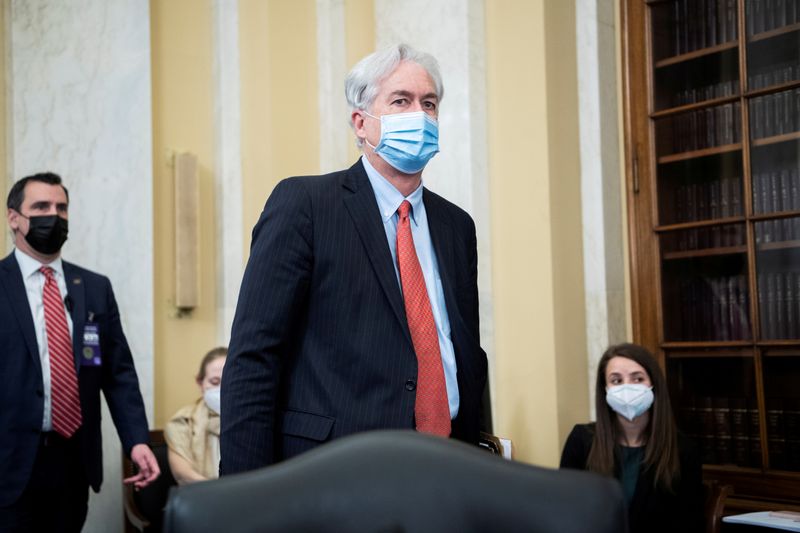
<point x="731" y="20"/>
<point x="722" y="430"/>
<point x="780" y="307"/>
<point x="705" y="411"/>
<point x="758" y="16"/>
<point x="759" y="228"/>
<point x="741" y="444"/>
<point x="754" y="433"/>
<point x="775" y="191"/>
<point x="735" y="325"/>
<point x="714" y="209"/>
<point x="711" y="23"/>
<point x="786" y="205"/>
<point x="791" y="422"/>
<point x="744" y="306"/>
<point x="772" y="307"/>
<point x="766" y="207"/>
<point x="790" y="306"/>
<point x="776" y="434"/>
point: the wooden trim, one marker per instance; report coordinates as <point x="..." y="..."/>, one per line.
<point x="694" y="54"/>
<point x="695" y="154"/>
<point x="697" y="105"/>
<point x="774" y="33"/>
<point x="795" y="135"/>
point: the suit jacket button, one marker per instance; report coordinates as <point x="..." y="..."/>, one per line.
<point x="39" y="393"/>
<point x="411" y="385"/>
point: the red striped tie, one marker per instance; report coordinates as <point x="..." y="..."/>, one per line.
<point x="65" y="401"/>
<point x="431" y="408"/>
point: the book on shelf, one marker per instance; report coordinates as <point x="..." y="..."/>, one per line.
<point x="775" y="205"/>
<point x="744" y="306"/>
<point x="739" y="432"/>
<point x="772" y="307"/>
<point x="780" y="306"/>
<point x="791" y="420"/>
<point x="787" y="224"/>
<point x="722" y="429"/>
<point x="730" y="20"/>
<point x="754" y="432"/>
<point x="776" y="433"/>
<point x="707" y="431"/>
<point x="735" y="190"/>
<point x="791" y="306"/>
<point x="757" y="204"/>
<point x="714" y="211"/>
<point x="719" y="310"/>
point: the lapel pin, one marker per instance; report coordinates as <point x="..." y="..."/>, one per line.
<point x="76" y="281"/>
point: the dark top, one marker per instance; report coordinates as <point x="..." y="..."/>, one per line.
<point x="652" y="509"/>
<point x="631" y="464"/>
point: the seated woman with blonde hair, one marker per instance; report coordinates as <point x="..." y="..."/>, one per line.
<point x="636" y="441"/>
<point x="192" y="434"/>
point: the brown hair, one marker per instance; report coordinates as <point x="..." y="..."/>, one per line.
<point x="220" y="351"/>
<point x="661" y="434"/>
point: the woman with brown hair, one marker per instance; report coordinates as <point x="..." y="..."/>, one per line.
<point x="192" y="434"/>
<point x="636" y="441"/>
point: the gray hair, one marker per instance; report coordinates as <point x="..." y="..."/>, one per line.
<point x="363" y="82"/>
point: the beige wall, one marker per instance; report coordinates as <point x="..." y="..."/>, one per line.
<point x="360" y="40"/>
<point x="182" y="121"/>
<point x="279" y="98"/>
<point x="540" y="372"/>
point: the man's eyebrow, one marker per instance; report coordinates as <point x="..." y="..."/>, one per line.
<point x="402" y="92"/>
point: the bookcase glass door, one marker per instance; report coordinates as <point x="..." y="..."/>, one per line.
<point x="724" y="124"/>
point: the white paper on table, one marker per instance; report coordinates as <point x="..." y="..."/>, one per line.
<point x="763" y="519"/>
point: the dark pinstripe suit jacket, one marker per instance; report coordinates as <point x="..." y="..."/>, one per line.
<point x="320" y="347"/>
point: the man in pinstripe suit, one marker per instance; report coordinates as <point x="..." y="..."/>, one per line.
<point x="321" y="345"/>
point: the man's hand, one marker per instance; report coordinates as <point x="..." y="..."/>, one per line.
<point x="142" y="456"/>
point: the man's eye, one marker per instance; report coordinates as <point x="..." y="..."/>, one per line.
<point x="399" y="101"/>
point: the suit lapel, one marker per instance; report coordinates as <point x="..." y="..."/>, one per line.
<point x="363" y="209"/>
<point x="77" y="309"/>
<point x="442" y="241"/>
<point x="15" y="289"/>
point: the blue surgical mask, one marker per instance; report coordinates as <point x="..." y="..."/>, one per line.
<point x="630" y="400"/>
<point x="408" y="140"/>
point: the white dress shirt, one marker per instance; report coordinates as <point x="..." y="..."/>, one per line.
<point x="34" y="284"/>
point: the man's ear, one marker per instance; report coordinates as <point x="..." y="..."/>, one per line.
<point x="357" y="119"/>
<point x="13" y="219"/>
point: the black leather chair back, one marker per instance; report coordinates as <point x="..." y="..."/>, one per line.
<point x="392" y="481"/>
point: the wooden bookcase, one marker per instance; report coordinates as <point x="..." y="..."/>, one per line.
<point x="712" y="138"/>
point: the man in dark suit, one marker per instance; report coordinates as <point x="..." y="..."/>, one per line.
<point x="62" y="343"/>
<point x="359" y="305"/>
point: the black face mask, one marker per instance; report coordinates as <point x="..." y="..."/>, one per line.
<point x="46" y="234"/>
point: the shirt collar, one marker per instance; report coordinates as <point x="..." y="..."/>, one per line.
<point x="389" y="198"/>
<point x="28" y="265"/>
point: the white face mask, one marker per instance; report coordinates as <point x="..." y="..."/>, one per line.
<point x="212" y="399"/>
<point x="629" y="400"/>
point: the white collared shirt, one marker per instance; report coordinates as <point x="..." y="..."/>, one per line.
<point x="34" y="284"/>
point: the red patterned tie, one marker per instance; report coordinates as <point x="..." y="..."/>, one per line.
<point x="65" y="401"/>
<point x="431" y="409"/>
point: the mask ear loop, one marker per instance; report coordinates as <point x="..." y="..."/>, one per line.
<point x="376" y="118"/>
